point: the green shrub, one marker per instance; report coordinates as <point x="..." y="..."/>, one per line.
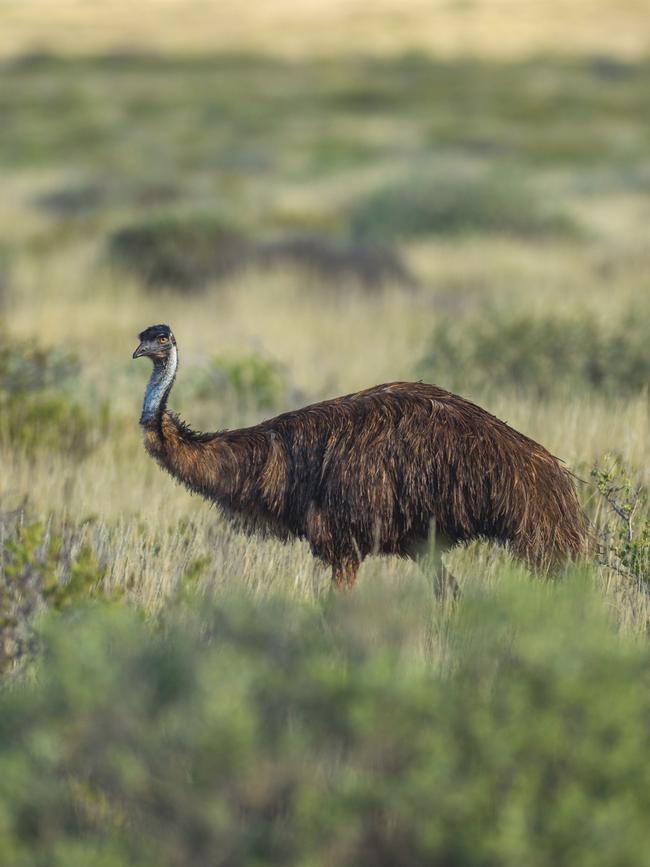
<point x="543" y="355"/>
<point x="81" y="198"/>
<point x="36" y="407"/>
<point x="27" y="367"/>
<point x="625" y="537"/>
<point x="73" y="201"/>
<point x="269" y="732"/>
<point x="335" y="264"/>
<point x="183" y="252"/>
<point x="36" y="421"/>
<point x="455" y="204"/>
<point x="249" y="380"/>
<point x="38" y="570"/>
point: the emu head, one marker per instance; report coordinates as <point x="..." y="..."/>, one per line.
<point x="156" y="342"/>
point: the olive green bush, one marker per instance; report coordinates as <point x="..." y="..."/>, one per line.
<point x="183" y="252"/>
<point x="37" y="406"/>
<point x="38" y="568"/>
<point x="455" y="203"/>
<point x="186" y="252"/>
<point x="73" y="201"/>
<point x="263" y="731"/>
<point x="247" y="380"/>
<point x="335" y="264"/>
<point x="547" y="355"/>
<point x="625" y="534"/>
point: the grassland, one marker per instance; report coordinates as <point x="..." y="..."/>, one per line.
<point x="513" y="192"/>
<point x="550" y="224"/>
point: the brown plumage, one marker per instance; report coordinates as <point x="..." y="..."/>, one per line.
<point x="373" y="472"/>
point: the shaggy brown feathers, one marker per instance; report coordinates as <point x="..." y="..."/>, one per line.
<point x="373" y="472"/>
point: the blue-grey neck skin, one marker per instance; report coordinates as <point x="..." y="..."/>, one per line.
<point x="158" y="387"/>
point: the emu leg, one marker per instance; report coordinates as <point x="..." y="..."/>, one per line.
<point x="428" y="555"/>
<point x="344" y="573"/>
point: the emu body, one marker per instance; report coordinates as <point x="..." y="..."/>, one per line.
<point x="372" y="473"/>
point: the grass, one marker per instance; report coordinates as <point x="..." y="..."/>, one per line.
<point x="613" y="29"/>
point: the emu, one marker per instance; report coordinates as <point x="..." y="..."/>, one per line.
<point x="376" y="472"/>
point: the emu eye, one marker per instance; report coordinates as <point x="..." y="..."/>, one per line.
<point x="162" y="340"/>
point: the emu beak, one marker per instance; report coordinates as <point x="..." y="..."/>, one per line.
<point x="140" y="351"/>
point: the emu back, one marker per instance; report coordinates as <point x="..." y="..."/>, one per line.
<point x="374" y="472"/>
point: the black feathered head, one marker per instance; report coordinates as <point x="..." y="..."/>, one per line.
<point x="155" y="341"/>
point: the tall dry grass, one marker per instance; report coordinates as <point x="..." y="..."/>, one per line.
<point x="150" y="531"/>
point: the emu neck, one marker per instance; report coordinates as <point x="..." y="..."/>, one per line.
<point x="213" y="465"/>
<point x="158" y="388"/>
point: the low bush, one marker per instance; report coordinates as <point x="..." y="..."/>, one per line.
<point x="76" y="200"/>
<point x="182" y="252"/>
<point x="27" y="367"/>
<point x="457" y="204"/>
<point x="248" y="380"/>
<point x="39" y="568"/>
<point x="543" y="355"/>
<point x="625" y="536"/>
<point x="80" y="199"/>
<point x="335" y="263"/>
<point x="186" y="253"/>
<point x="269" y="732"/>
<point x="37" y="409"/>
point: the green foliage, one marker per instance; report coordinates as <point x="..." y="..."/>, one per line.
<point x="626" y="538"/>
<point x="250" y="380"/>
<point x="237" y="114"/>
<point x="269" y="732"/>
<point x="541" y="355"/>
<point x="334" y="264"/>
<point x="27" y="367"/>
<point x="34" y="421"/>
<point x="36" y="408"/>
<point x="183" y="252"/>
<point x="84" y="198"/>
<point x="187" y="252"/>
<point x="38" y="570"/>
<point x="78" y="200"/>
<point x="215" y="124"/>
<point x="189" y="584"/>
<point x="5" y="270"/>
<point x="455" y="204"/>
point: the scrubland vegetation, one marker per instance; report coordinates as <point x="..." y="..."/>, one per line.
<point x="176" y="693"/>
<point x="266" y="731"/>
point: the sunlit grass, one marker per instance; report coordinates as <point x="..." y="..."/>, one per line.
<point x="298" y="28"/>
